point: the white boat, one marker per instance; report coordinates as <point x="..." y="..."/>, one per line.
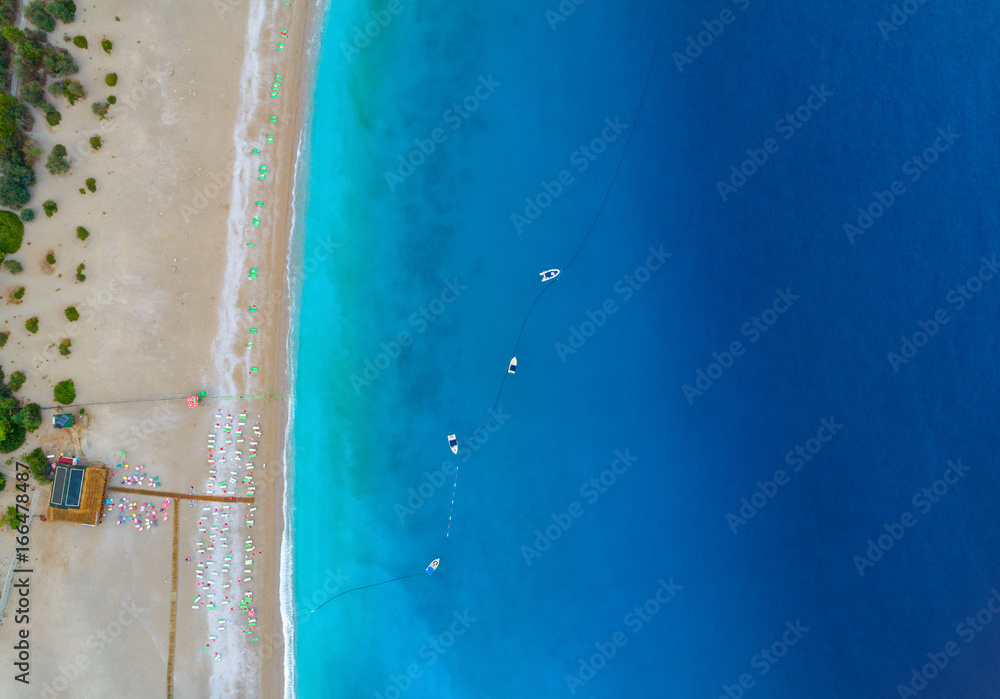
<point x="513" y="365"/>
<point x="433" y="566"/>
<point x="453" y="443"/>
<point x="549" y="274"/>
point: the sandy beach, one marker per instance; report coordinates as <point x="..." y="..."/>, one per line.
<point x="164" y="314"/>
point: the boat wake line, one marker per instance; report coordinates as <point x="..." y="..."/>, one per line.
<point x="430" y="571"/>
<point x="550" y="275"/>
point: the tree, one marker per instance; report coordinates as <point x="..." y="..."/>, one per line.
<point x="11" y="232"/>
<point x="82" y="233"/>
<point x="29" y="417"/>
<point x="64" y="392"/>
<point x="3" y="482"/>
<point x="27" y="215"/>
<point x="63" y="10"/>
<point x="80" y="41"/>
<point x="50" y="207"/>
<point x="36" y="13"/>
<point x="38" y="465"/>
<point x="96" y="142"/>
<point x="13" y="266"/>
<point x="106" y="45"/>
<point x="12" y="434"/>
<point x="59" y="61"/>
<point x="57" y="162"/>
<point x="111" y="79"/>
<point x="33" y="93"/>
<point x="16" y="179"/>
<point x="64" y="347"/>
<point x="91" y="184"/>
<point x="31" y="324"/>
<point x="16" y="381"/>
<point x="100" y="109"/>
<point x="72" y="314"/>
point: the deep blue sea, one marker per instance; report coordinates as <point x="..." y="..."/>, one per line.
<point x="750" y="447"/>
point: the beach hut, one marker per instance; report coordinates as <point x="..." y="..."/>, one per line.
<point x="62" y="420"/>
<point x="78" y="494"/>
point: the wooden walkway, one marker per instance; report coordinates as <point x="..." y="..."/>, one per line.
<point x="173" y="607"/>
<point x="177" y="497"/>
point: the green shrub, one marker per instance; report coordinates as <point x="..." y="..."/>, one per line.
<point x="31" y="325"/>
<point x="96" y="142"/>
<point x="50" y="257"/>
<point x="3" y="338"/>
<point x="72" y="314"/>
<point x="3" y="482"/>
<point x="36" y="13"/>
<point x="80" y="276"/>
<point x="49" y="207"/>
<point x="27" y="215"/>
<point x="106" y="45"/>
<point x="111" y="79"/>
<point x="112" y="99"/>
<point x="13" y="266"/>
<point x="12" y="519"/>
<point x="100" y="109"/>
<point x="63" y="10"/>
<point x="64" y="346"/>
<point x="19" y="294"/>
<point x="72" y="90"/>
<point x="80" y="41"/>
<point x="82" y="190"/>
<point x="59" y="61"/>
<point x="38" y="465"/>
<point x="33" y="93"/>
<point x="29" y="417"/>
<point x="82" y="233"/>
<point x="11" y="232"/>
<point x="53" y="118"/>
<point x="64" y="392"/>
<point x="16" y="381"/>
<point x="91" y="184"/>
<point x="57" y="162"/>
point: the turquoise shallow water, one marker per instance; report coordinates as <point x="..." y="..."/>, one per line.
<point x="566" y="572"/>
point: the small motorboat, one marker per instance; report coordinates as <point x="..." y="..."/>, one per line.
<point x="453" y="443"/>
<point x="513" y="365"/>
<point x="433" y="566"/>
<point x="549" y="274"/>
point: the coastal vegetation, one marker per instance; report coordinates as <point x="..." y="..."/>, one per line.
<point x="72" y="90"/>
<point x="3" y="482"/>
<point x="80" y="41"/>
<point x="50" y="257"/>
<point x="64" y="346"/>
<point x="13" y="266"/>
<point x="12" y="518"/>
<point x="15" y="420"/>
<point x="96" y="142"/>
<point x="16" y="381"/>
<point x="31" y="324"/>
<point x="49" y="207"/>
<point x="36" y="13"/>
<point x="57" y="162"/>
<point x="72" y="314"/>
<point x="91" y="184"/>
<point x="111" y="79"/>
<point x="100" y="109"/>
<point x="106" y="44"/>
<point x="64" y="392"/>
<point x="38" y="465"/>
<point x="82" y="233"/>
<point x="3" y="338"/>
<point x="27" y="215"/>
<point x="80" y="276"/>
<point x="63" y="10"/>
<point x="18" y="294"/>
<point x="11" y="232"/>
